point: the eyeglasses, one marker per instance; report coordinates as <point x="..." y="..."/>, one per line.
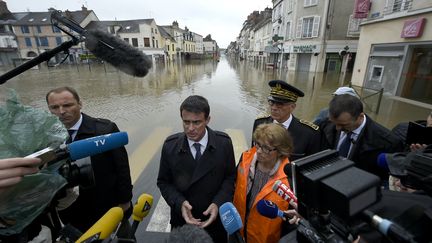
<point x="264" y="148"/>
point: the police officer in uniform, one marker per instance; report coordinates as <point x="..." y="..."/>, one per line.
<point x="282" y="102"/>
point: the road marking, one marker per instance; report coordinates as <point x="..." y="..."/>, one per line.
<point x="239" y="142"/>
<point x="160" y="218"/>
<point x="143" y="154"/>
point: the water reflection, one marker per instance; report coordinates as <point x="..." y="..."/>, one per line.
<point x="237" y="92"/>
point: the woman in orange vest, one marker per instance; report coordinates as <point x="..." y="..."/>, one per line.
<point x="259" y="168"/>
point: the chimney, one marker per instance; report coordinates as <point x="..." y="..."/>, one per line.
<point x="83" y="8"/>
<point x="3" y="8"/>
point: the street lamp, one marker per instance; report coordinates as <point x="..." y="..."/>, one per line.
<point x="276" y="41"/>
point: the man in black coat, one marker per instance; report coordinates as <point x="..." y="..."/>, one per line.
<point x="356" y="136"/>
<point x="197" y="170"/>
<point x="111" y="169"/>
<point x="282" y="102"/>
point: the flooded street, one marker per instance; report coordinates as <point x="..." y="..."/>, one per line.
<point x="148" y="108"/>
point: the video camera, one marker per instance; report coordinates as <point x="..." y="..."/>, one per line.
<point x="337" y="200"/>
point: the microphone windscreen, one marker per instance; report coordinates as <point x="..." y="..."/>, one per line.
<point x="230" y="218"/>
<point x="96" y="145"/>
<point x="117" y="52"/>
<point x="142" y="207"/>
<point x="267" y="208"/>
<point x="104" y="227"/>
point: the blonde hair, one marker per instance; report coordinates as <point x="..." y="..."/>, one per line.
<point x="275" y="135"/>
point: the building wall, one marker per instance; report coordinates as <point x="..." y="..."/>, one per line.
<point x="385" y="32"/>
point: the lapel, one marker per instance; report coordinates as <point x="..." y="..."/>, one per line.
<point x="87" y="128"/>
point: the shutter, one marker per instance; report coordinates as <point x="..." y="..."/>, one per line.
<point x="299" y="28"/>
<point x="316" y="24"/>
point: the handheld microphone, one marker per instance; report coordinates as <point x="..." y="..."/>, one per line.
<point x="389" y="229"/>
<point x="231" y="220"/>
<point x="140" y="210"/>
<point x="82" y="148"/>
<point x="104" y="227"/>
<point x="285" y="192"/>
<point x="270" y="210"/>
<point x="108" y="47"/>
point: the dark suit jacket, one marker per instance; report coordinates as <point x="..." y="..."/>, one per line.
<point x="209" y="180"/>
<point x="112" y="175"/>
<point x="373" y="140"/>
<point x="305" y="138"/>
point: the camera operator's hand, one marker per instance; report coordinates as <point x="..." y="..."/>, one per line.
<point x="417" y="147"/>
<point x="292" y="216"/>
<point x="13" y="169"/>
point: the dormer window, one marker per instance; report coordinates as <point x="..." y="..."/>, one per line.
<point x="31" y="20"/>
<point x="44" y="19"/>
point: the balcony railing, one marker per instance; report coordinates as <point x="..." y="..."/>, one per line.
<point x="394" y="6"/>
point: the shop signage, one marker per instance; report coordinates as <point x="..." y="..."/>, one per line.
<point x="413" y="28"/>
<point x="361" y="9"/>
<point x="304" y="48"/>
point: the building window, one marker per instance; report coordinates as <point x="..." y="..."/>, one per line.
<point x="157" y="44"/>
<point x="59" y="40"/>
<point x="55" y="29"/>
<point x="28" y="41"/>
<point x="153" y="42"/>
<point x="37" y="41"/>
<point x="308" y="3"/>
<point x="173" y="47"/>
<point x="308" y="27"/>
<point x="135" y="42"/>
<point x="43" y="41"/>
<point x="168" y="47"/>
<point x="156" y="31"/>
<point x="288" y="30"/>
<point x="112" y="30"/>
<point x="38" y="28"/>
<point x="25" y="29"/>
<point x="146" y="42"/>
<point x="290" y="6"/>
<point x="126" y="39"/>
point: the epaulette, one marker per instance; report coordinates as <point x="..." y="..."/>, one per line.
<point x="310" y="124"/>
<point x="262" y="116"/>
<point x="222" y="134"/>
<point x="173" y="136"/>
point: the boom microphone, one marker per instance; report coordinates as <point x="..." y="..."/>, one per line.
<point x="140" y="210"/>
<point x="270" y="210"/>
<point x="231" y="220"/>
<point x="285" y="192"/>
<point x="104" y="227"/>
<point x="82" y="148"/>
<point x="109" y="48"/>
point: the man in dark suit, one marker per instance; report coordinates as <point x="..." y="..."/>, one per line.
<point x="111" y="169"/>
<point x="197" y="170"/>
<point x="356" y="136"/>
<point x="282" y="102"/>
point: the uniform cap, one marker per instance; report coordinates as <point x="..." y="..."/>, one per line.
<point x="281" y="91"/>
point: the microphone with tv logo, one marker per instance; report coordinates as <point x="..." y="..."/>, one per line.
<point x="81" y="148"/>
<point x="140" y="210"/>
<point x="104" y="228"/>
<point x="270" y="210"/>
<point x="107" y="47"/>
<point x="285" y="192"/>
<point x="231" y="220"/>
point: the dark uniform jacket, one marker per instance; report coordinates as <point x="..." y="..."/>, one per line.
<point x="112" y="175"/>
<point x="373" y="140"/>
<point x="305" y="136"/>
<point x="208" y="180"/>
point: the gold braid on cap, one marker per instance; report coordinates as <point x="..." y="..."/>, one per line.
<point x="278" y="92"/>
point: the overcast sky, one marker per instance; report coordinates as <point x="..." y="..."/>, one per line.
<point x="223" y="19"/>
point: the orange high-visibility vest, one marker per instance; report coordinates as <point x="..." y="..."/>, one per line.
<point x="259" y="228"/>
